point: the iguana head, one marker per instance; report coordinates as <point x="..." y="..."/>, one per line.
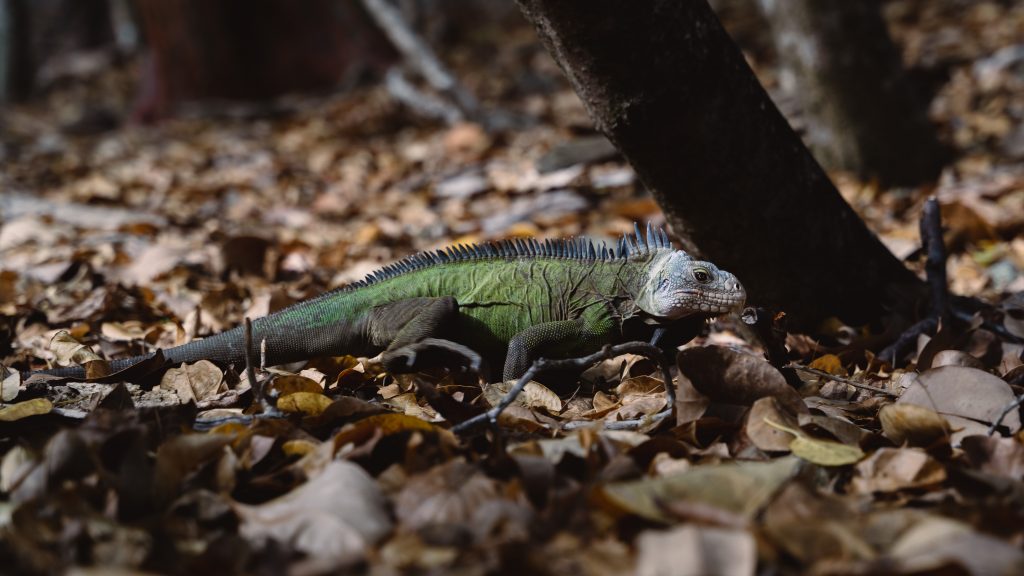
<point x="677" y="285"/>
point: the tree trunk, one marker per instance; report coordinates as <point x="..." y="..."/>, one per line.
<point x="862" y="114"/>
<point x="252" y="49"/>
<point x="668" y="86"/>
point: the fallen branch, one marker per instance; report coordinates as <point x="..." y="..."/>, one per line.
<point x="853" y="383"/>
<point x="420" y="57"/>
<point x="938" y="286"/>
<point x="543" y="364"/>
<point x="1009" y="408"/>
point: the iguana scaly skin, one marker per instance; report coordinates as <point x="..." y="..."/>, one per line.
<point x="511" y="301"/>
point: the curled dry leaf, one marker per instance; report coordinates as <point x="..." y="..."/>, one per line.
<point x="955" y="358"/>
<point x="818" y="451"/>
<point x="33" y="407"/>
<point x="997" y="456"/>
<point x="446" y="494"/>
<point x="194" y="382"/>
<point x="725" y="375"/>
<point x="305" y="403"/>
<point x="936" y="545"/>
<point x="692" y="550"/>
<point x="741" y="488"/>
<point x="829" y="363"/>
<point x="535" y="395"/>
<point x="893" y="469"/>
<point x="913" y="425"/>
<point x="70" y="352"/>
<point x="285" y="384"/>
<point x="962" y="395"/>
<point x="334" y="517"/>
<point x="765" y="436"/>
<point x="9" y="386"/>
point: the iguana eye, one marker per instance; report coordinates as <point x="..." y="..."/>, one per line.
<point x="702" y="275"/>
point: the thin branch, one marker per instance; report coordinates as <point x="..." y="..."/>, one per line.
<point x="419" y="55"/>
<point x="606" y="353"/>
<point x="938" y="285"/>
<point x="418" y="101"/>
<point x="853" y="383"/>
<point x="1006" y="411"/>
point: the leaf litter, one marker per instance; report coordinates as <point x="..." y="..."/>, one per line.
<point x="139" y="239"/>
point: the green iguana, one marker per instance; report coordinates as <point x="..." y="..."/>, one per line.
<point x="508" y="302"/>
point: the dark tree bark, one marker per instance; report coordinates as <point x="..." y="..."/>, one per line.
<point x="16" y="70"/>
<point x="252" y="49"/>
<point x="668" y="86"/>
<point x="862" y="114"/>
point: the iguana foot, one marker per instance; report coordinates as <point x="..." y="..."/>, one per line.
<point x="430" y="352"/>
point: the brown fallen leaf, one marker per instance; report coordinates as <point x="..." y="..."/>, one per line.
<point x="696" y="551"/>
<point x="446" y="494"/>
<point x="765" y="436"/>
<point x="70" y="352"/>
<point x="741" y="488"/>
<point x="997" y="456"/>
<point x="821" y="452"/>
<point x="913" y="425"/>
<point x="10" y="385"/>
<point x="534" y="395"/>
<point x="937" y="544"/>
<point x="194" y="382"/>
<point x="33" y="407"/>
<point x="305" y="403"/>
<point x="725" y="375"/>
<point x="893" y="469"/>
<point x="285" y="384"/>
<point x="334" y="517"/>
<point x="959" y="391"/>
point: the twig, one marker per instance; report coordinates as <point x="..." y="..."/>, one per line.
<point x="423" y="104"/>
<point x="935" y="269"/>
<point x="935" y="265"/>
<point x="608" y="352"/>
<point x="853" y="383"/>
<point x="419" y="55"/>
<point x="1009" y="408"/>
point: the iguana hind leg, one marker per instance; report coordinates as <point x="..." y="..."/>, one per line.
<point x="556" y="339"/>
<point x="412" y="331"/>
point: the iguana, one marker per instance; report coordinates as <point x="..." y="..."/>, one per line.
<point x="508" y="302"/>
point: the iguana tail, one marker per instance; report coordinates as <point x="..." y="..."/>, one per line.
<point x="224" y="348"/>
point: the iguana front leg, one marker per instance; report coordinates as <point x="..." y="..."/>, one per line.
<point x="408" y="328"/>
<point x="552" y="340"/>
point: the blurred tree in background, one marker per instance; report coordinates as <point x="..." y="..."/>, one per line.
<point x="862" y="113"/>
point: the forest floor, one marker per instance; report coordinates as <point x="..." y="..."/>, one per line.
<point x="118" y="239"/>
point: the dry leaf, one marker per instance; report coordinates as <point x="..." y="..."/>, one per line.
<point x="194" y="382"/>
<point x="829" y="363"/>
<point x="10" y="386"/>
<point x="33" y="407"/>
<point x="305" y="403"/>
<point x="725" y="375"/>
<point x="534" y="395"/>
<point x="70" y="352"/>
<point x="914" y="425"/>
<point x="335" y="516"/>
<point x="962" y="392"/>
<point x="696" y="551"/>
<point x="892" y="469"/>
<point x="740" y="488"/>
<point x="821" y="452"/>
<point x="765" y="436"/>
